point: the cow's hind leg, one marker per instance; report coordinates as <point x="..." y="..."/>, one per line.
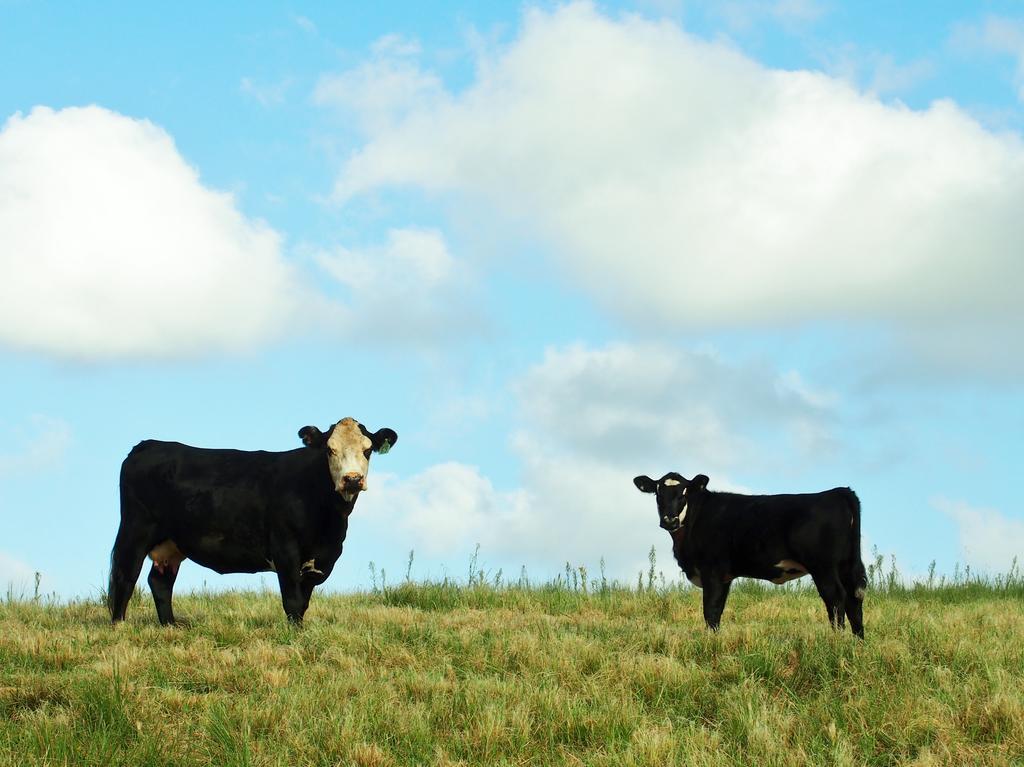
<point x="161" y="583"/>
<point x="832" y="594"/>
<point x="126" y="559"/>
<point x="854" y="584"/>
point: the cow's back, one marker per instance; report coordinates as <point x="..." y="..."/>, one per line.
<point x="171" y="480"/>
<point x="805" y="524"/>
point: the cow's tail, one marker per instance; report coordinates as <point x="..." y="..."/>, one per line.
<point x="122" y="490"/>
<point x="126" y="497"/>
<point x="110" y="582"/>
<point x="858" y="573"/>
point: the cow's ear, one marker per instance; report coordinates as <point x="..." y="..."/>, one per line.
<point x="700" y="482"/>
<point x="311" y="436"/>
<point x="383" y="440"/>
<point x="645" y="484"/>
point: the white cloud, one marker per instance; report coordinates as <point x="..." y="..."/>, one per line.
<point x="965" y="351"/>
<point x="890" y="76"/>
<point x="567" y="510"/>
<point x="16" y="575"/>
<point x="42" y="441"/>
<point x="997" y="34"/>
<point x="586" y="508"/>
<point x="396" y="45"/>
<point x="591" y="420"/>
<point x="989" y="540"/>
<point x="384" y="90"/>
<point x="878" y="72"/>
<point x="111" y="247"/>
<point x="688" y="186"/>
<point x="630" y="405"/>
<point x="449" y="508"/>
<point x="408" y="290"/>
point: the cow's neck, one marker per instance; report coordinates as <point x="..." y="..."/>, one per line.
<point x="679" y="545"/>
<point x="330" y="499"/>
<point x="334" y="511"/>
<point x="337" y="512"/>
<point x="684" y="544"/>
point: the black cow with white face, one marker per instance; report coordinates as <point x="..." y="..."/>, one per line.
<point x="238" y="511"/>
<point x="717" y="537"/>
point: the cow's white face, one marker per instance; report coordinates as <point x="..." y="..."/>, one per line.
<point x="348" y="456"/>
<point x="348" y="445"/>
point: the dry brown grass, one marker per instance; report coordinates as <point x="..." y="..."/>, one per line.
<point x="441" y="675"/>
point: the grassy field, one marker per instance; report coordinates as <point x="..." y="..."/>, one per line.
<point x="479" y="674"/>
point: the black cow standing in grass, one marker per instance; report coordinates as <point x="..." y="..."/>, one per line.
<point x="720" y="536"/>
<point x="237" y="511"/>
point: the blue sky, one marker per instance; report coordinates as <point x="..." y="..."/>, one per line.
<point x="553" y="246"/>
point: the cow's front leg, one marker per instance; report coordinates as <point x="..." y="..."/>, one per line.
<point x="716" y="591"/>
<point x="292" y="593"/>
<point x="311" y="575"/>
<point x="307" y="592"/>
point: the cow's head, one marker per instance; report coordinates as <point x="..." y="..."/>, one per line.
<point x="674" y="492"/>
<point x="347" y="446"/>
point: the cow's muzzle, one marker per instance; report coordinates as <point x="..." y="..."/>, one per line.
<point x="350" y="486"/>
<point x="670" y="523"/>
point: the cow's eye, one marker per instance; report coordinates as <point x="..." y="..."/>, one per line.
<point x="366" y="453"/>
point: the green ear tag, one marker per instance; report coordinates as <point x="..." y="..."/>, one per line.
<point x="384" y="447"/>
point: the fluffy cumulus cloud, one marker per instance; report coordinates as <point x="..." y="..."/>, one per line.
<point x="688" y="185"/>
<point x="449" y="508"/>
<point x="591" y="419"/>
<point x="630" y="405"/>
<point x="565" y="510"/>
<point x="384" y="89"/>
<point x="989" y="540"/>
<point x="594" y="418"/>
<point x="408" y="290"/>
<point x="110" y="245"/>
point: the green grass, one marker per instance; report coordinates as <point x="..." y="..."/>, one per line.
<point x="571" y="673"/>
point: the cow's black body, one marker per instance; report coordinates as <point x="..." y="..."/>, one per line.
<point x="723" y="536"/>
<point x="233" y="511"/>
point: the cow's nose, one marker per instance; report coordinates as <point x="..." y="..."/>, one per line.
<point x="353" y="479"/>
